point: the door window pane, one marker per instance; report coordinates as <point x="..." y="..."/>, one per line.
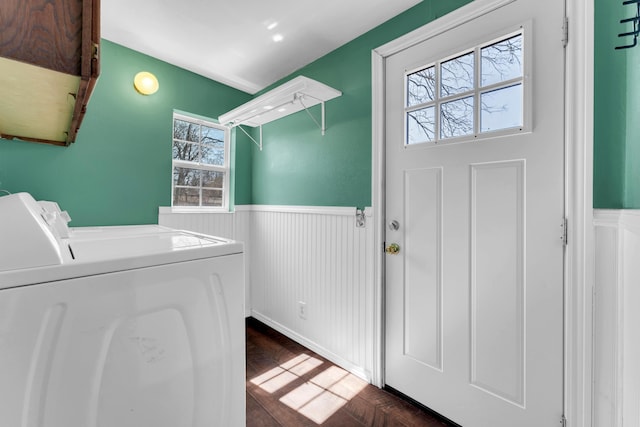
<point x="502" y="61"/>
<point x="457" y="75"/>
<point x="421" y="125"/>
<point x="421" y="87"/>
<point x="456" y="118"/>
<point x="501" y="108"/>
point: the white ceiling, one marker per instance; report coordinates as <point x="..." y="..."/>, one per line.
<point x="231" y="41"/>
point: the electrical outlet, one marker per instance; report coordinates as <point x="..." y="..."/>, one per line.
<point x="302" y="309"/>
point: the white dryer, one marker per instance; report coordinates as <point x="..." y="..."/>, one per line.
<point x="133" y="326"/>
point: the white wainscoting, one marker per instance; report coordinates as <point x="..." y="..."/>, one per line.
<point x="317" y="256"/>
<point x="616" y="390"/>
<point x="314" y="255"/>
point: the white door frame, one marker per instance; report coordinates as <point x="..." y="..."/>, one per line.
<point x="579" y="274"/>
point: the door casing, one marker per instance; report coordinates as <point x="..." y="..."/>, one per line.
<point x="579" y="201"/>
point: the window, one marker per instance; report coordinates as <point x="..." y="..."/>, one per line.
<point x="474" y="93"/>
<point x="200" y="163"/>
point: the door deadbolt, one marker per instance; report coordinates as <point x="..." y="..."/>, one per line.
<point x="394" y="225"/>
<point x="392" y="249"/>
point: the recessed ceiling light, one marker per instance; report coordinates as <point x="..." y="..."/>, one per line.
<point x="267" y="107"/>
<point x="282" y="110"/>
<point x="272" y="26"/>
<point x="278" y="38"/>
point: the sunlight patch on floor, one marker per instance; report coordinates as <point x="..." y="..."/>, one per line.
<point x="322" y="407"/>
<point x="324" y="394"/>
<point x="318" y="398"/>
<point x="278" y="377"/>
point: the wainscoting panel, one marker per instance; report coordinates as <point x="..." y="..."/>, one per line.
<point x="617" y="319"/>
<point x="312" y="280"/>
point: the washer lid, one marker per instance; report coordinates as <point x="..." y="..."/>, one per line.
<point x="136" y="242"/>
<point x="119" y="251"/>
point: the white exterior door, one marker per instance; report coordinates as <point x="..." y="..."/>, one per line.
<point x="475" y="203"/>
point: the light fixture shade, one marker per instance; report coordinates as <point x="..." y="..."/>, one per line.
<point x="146" y="83"/>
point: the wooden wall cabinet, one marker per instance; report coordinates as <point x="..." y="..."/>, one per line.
<point x="49" y="63"/>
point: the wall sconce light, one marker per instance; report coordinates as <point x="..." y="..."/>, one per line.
<point x="146" y="83"/>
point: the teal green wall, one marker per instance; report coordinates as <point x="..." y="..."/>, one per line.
<point x="297" y="165"/>
<point x="631" y="199"/>
<point x="610" y="119"/>
<point x="119" y="169"/>
<point x="616" y="135"/>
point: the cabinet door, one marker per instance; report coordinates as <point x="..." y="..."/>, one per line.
<point x="49" y="61"/>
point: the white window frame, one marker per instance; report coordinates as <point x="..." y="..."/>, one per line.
<point x="477" y="91"/>
<point x="226" y="168"/>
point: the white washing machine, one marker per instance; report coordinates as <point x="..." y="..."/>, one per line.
<point x="134" y="326"/>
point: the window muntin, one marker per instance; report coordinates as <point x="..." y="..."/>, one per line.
<point x="200" y="163"/>
<point x="467" y="95"/>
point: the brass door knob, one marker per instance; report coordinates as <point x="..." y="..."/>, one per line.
<point x="392" y="249"/>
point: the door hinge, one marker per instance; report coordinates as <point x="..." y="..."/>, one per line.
<point x="565" y="235"/>
<point x="563" y="421"/>
<point x="360" y="218"/>
<point x="565" y="32"/>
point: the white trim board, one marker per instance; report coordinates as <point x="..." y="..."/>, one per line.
<point x="579" y="166"/>
<point x="319" y="210"/>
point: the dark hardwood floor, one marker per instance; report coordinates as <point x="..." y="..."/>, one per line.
<point x="289" y="385"/>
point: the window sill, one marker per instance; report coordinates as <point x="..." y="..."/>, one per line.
<point x="191" y="209"/>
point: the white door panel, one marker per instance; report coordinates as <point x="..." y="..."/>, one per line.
<point x="474" y="297"/>
<point x="423" y="288"/>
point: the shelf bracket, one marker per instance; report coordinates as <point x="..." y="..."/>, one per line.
<point x="259" y="144"/>
<point x="300" y="97"/>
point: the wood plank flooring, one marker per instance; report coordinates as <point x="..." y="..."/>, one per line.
<point x="289" y="385"/>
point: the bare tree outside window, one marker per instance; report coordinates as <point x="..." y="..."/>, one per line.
<point x="441" y="105"/>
